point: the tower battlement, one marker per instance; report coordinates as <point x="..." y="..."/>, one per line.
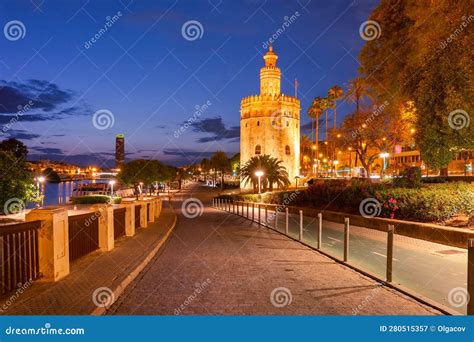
<point x="265" y="97"/>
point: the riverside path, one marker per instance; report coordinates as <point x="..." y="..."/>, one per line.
<point x="216" y="263"/>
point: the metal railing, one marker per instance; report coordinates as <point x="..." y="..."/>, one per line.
<point x="20" y="257"/>
<point x="83" y="234"/>
<point x="253" y="212"/>
<point x="119" y="222"/>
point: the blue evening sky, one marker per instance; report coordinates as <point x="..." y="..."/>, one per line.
<point x="151" y="78"/>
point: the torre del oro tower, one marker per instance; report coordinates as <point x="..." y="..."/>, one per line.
<point x="270" y="121"/>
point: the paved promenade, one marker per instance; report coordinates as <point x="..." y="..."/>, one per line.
<point x="97" y="272"/>
<point x="219" y="263"/>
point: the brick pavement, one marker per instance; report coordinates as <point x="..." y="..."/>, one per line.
<point x="73" y="294"/>
<point x="220" y="263"/>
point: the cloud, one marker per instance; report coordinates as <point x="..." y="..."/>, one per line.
<point x="37" y="100"/>
<point x="186" y="153"/>
<point x="217" y="130"/>
<point x="44" y="95"/>
<point x="19" y="134"/>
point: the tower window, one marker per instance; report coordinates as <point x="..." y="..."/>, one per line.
<point x="258" y="149"/>
<point x="246" y="124"/>
<point x="287" y="123"/>
<point x="258" y="123"/>
<point x="287" y="150"/>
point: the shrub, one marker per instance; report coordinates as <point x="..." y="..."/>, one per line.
<point x="410" y="178"/>
<point x="429" y="203"/>
<point x="96" y="199"/>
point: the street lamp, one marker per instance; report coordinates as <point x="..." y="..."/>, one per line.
<point x="39" y="183"/>
<point x="259" y="174"/>
<point x="384" y="156"/>
<point x="111" y="183"/>
<point x="335" y="167"/>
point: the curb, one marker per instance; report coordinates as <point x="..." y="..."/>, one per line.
<point x="120" y="289"/>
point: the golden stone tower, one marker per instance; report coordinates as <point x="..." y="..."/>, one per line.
<point x="270" y="122"/>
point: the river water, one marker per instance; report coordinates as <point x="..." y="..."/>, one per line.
<point x="60" y="193"/>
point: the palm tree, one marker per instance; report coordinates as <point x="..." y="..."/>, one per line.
<point x="220" y="162"/>
<point x="356" y="91"/>
<point x="314" y="112"/>
<point x="334" y="94"/>
<point x="274" y="172"/>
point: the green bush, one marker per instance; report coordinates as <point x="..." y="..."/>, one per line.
<point x="429" y="203"/>
<point x="410" y="178"/>
<point x="96" y="199"/>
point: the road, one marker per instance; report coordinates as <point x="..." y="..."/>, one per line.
<point x="430" y="269"/>
<point x="219" y="263"/>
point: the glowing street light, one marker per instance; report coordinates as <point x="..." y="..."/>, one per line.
<point x="259" y="174"/>
<point x="384" y="156"/>
<point x="39" y="181"/>
<point x="111" y="183"/>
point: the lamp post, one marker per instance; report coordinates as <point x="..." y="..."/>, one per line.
<point x="39" y="182"/>
<point x="384" y="156"/>
<point x="259" y="174"/>
<point x="111" y="183"/>
<point x="335" y="167"/>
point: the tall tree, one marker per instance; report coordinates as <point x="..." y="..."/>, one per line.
<point x="431" y="63"/>
<point x="15" y="147"/>
<point x="220" y="162"/>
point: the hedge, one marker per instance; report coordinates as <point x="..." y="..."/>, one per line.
<point x="95" y="199"/>
<point x="430" y="203"/>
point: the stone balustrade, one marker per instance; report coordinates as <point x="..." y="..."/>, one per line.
<point x="53" y="241"/>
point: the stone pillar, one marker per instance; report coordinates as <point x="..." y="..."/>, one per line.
<point x="156" y="204"/>
<point x="106" y="226"/>
<point x="151" y="210"/>
<point x="143" y="209"/>
<point x="53" y="242"/>
<point x="129" y="219"/>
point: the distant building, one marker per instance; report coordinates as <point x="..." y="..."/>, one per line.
<point x="270" y="121"/>
<point x="119" y="150"/>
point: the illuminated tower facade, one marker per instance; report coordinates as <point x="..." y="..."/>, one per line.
<point x="270" y="121"/>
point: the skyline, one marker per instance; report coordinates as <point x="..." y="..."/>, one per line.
<point x="145" y="72"/>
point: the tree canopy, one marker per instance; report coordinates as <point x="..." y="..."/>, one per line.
<point x="424" y="55"/>
<point x="145" y="171"/>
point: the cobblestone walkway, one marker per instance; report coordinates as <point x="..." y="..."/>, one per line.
<point x="220" y="263"/>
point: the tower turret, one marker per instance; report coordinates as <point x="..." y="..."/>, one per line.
<point x="270" y="74"/>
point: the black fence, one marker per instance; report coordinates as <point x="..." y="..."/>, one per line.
<point x="20" y="257"/>
<point x="119" y="222"/>
<point x="83" y="234"/>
